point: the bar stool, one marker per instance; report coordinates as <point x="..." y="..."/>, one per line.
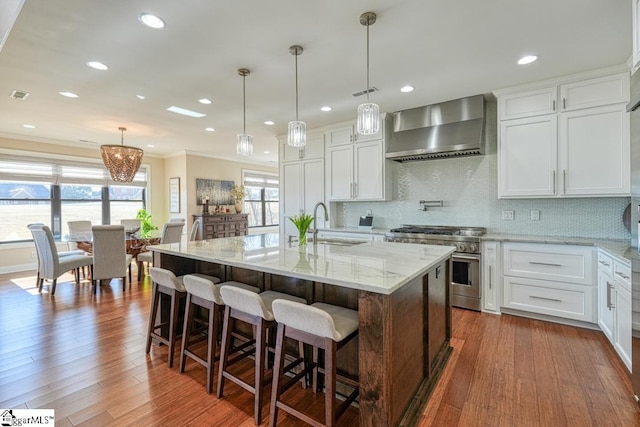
<point x="165" y="282"/>
<point x="254" y="309"/>
<point x="204" y="293"/>
<point x="323" y="326"/>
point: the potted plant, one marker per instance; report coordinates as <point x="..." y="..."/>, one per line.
<point x="145" y="223"/>
<point x="238" y="193"/>
<point x="302" y="223"/>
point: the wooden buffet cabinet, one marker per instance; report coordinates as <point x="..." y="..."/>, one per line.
<point x="215" y="226"/>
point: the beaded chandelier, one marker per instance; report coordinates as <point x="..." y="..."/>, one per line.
<point x="121" y="161"/>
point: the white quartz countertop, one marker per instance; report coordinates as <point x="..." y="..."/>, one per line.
<point x="616" y="248"/>
<point x="379" y="267"/>
<point x="376" y="231"/>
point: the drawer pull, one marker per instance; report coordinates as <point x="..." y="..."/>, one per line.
<point x="545" y="263"/>
<point x="624" y="276"/>
<point x="546" y="299"/>
<point x="604" y="263"/>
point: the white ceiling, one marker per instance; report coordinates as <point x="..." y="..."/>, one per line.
<point x="445" y="48"/>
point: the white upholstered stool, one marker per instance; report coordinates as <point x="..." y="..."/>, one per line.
<point x="165" y="282"/>
<point x="204" y="293"/>
<point x="254" y="309"/>
<point x="323" y="326"/>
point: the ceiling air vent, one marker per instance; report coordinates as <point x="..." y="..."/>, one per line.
<point x="19" y="94"/>
<point x="364" y="92"/>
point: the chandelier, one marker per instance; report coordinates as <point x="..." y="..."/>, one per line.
<point x="244" y="147"/>
<point x="121" y="161"/>
<point x="297" y="135"/>
<point x="368" y="121"/>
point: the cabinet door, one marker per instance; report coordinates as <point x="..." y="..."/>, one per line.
<point x="636" y="32"/>
<point x="369" y="171"/>
<point x="623" y="323"/>
<point x="340" y="173"/>
<point x="605" y="306"/>
<point x="291" y="197"/>
<point x="596" y="92"/>
<point x="289" y="153"/>
<point x="372" y="137"/>
<point x="528" y="104"/>
<point x="490" y="276"/>
<point x="527" y="158"/>
<point x="340" y="135"/>
<point x="313" y="186"/>
<point x="594" y="152"/>
<point x="314" y="149"/>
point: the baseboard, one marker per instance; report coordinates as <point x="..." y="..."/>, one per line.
<point x="18" y="268"/>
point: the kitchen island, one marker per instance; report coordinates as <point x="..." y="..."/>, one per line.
<point x="401" y="292"/>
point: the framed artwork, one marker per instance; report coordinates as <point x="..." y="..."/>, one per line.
<point x="174" y="195"/>
<point x="217" y="192"/>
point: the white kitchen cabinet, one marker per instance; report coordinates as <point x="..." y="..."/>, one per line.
<point x="579" y="148"/>
<point x="622" y="308"/>
<point x="313" y="149"/>
<point x="636" y="32"/>
<point x="357" y="171"/>
<point x="606" y="314"/>
<point x="553" y="280"/>
<point x="302" y="185"/>
<point x="491" y="276"/>
<point x="346" y="133"/>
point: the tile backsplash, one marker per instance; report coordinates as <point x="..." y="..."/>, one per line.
<point x="468" y="187"/>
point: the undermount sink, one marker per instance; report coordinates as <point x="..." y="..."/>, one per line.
<point x="338" y="242"/>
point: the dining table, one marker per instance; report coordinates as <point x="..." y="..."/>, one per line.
<point x="135" y="243"/>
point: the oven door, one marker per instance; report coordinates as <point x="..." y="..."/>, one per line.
<point x="466" y="275"/>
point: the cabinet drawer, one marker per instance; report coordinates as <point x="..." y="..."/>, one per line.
<point x="213" y="219"/>
<point x="605" y="263"/>
<point x="562" y="263"/>
<point x="562" y="300"/>
<point x="622" y="274"/>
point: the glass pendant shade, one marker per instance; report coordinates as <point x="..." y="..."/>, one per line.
<point x="368" y="122"/>
<point x="121" y="161"/>
<point x="297" y="135"/>
<point x="245" y="144"/>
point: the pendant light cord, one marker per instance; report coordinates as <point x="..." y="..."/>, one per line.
<point x="244" y="106"/>
<point x="367" y="60"/>
<point x="296" y="55"/>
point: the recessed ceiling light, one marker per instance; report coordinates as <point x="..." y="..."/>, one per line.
<point x="267" y="152"/>
<point x="151" y="20"/>
<point x="326" y="108"/>
<point x="204" y="101"/>
<point x="29" y="126"/>
<point x="97" y="65"/>
<point x="185" y="112"/>
<point x="68" y="94"/>
<point x="407" y="88"/>
<point x="269" y="123"/>
<point x="527" y="59"/>
<point x="209" y="129"/>
<point x="150" y="145"/>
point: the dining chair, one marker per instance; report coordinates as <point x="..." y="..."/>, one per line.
<point x="171" y="233"/>
<point x="79" y="230"/>
<point x="131" y="224"/>
<point x="110" y="258"/>
<point x="38" y="225"/>
<point x="50" y="264"/>
<point x="193" y="234"/>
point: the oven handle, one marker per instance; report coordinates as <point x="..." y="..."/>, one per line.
<point x="466" y="257"/>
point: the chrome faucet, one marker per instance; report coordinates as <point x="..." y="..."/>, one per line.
<point x="315" y="221"/>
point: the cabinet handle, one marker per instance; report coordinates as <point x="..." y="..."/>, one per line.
<point x="489" y="277"/>
<point x="554" y="182"/>
<point x="545" y="263"/>
<point x="564" y="103"/>
<point x="355" y="190"/>
<point x="351" y="190"/>
<point x="350" y="138"/>
<point x="554" y="105"/>
<point x="609" y="286"/>
<point x="604" y="263"/>
<point x="564" y="181"/>
<point x="624" y="276"/>
<point x="546" y="299"/>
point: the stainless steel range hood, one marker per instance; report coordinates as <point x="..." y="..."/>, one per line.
<point x="448" y="129"/>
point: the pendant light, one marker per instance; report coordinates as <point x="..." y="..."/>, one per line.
<point x="245" y="142"/>
<point x="121" y="161"/>
<point x="368" y="113"/>
<point x="297" y="135"/>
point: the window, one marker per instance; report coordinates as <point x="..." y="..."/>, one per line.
<point x="262" y="198"/>
<point x="56" y="191"/>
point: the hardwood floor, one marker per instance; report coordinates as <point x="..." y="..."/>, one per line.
<point x="83" y="355"/>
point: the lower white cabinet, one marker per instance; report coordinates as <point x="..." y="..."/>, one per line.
<point x="491" y="276"/>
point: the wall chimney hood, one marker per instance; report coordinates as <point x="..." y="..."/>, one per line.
<point x="447" y="129"/>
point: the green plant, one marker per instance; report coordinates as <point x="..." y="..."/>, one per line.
<point x="145" y="223"/>
<point x="302" y="223"/>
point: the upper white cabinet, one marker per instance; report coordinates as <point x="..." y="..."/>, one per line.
<point x="567" y="140"/>
<point x="313" y="149"/>
<point x="636" y="32"/>
<point x="356" y="167"/>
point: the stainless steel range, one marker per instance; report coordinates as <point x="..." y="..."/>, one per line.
<point x="465" y="285"/>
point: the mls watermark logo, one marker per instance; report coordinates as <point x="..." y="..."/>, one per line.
<point x="26" y="417"/>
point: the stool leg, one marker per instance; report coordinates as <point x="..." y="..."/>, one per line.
<point x="329" y="382"/>
<point x="314" y="372"/>
<point x="53" y="286"/>
<point x="173" y="325"/>
<point x="278" y="366"/>
<point x="261" y="347"/>
<point x="152" y="315"/>
<point x="214" y="314"/>
<point x="226" y="343"/>
<point x="186" y="332"/>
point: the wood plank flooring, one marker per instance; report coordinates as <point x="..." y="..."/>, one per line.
<point x="83" y="355"/>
